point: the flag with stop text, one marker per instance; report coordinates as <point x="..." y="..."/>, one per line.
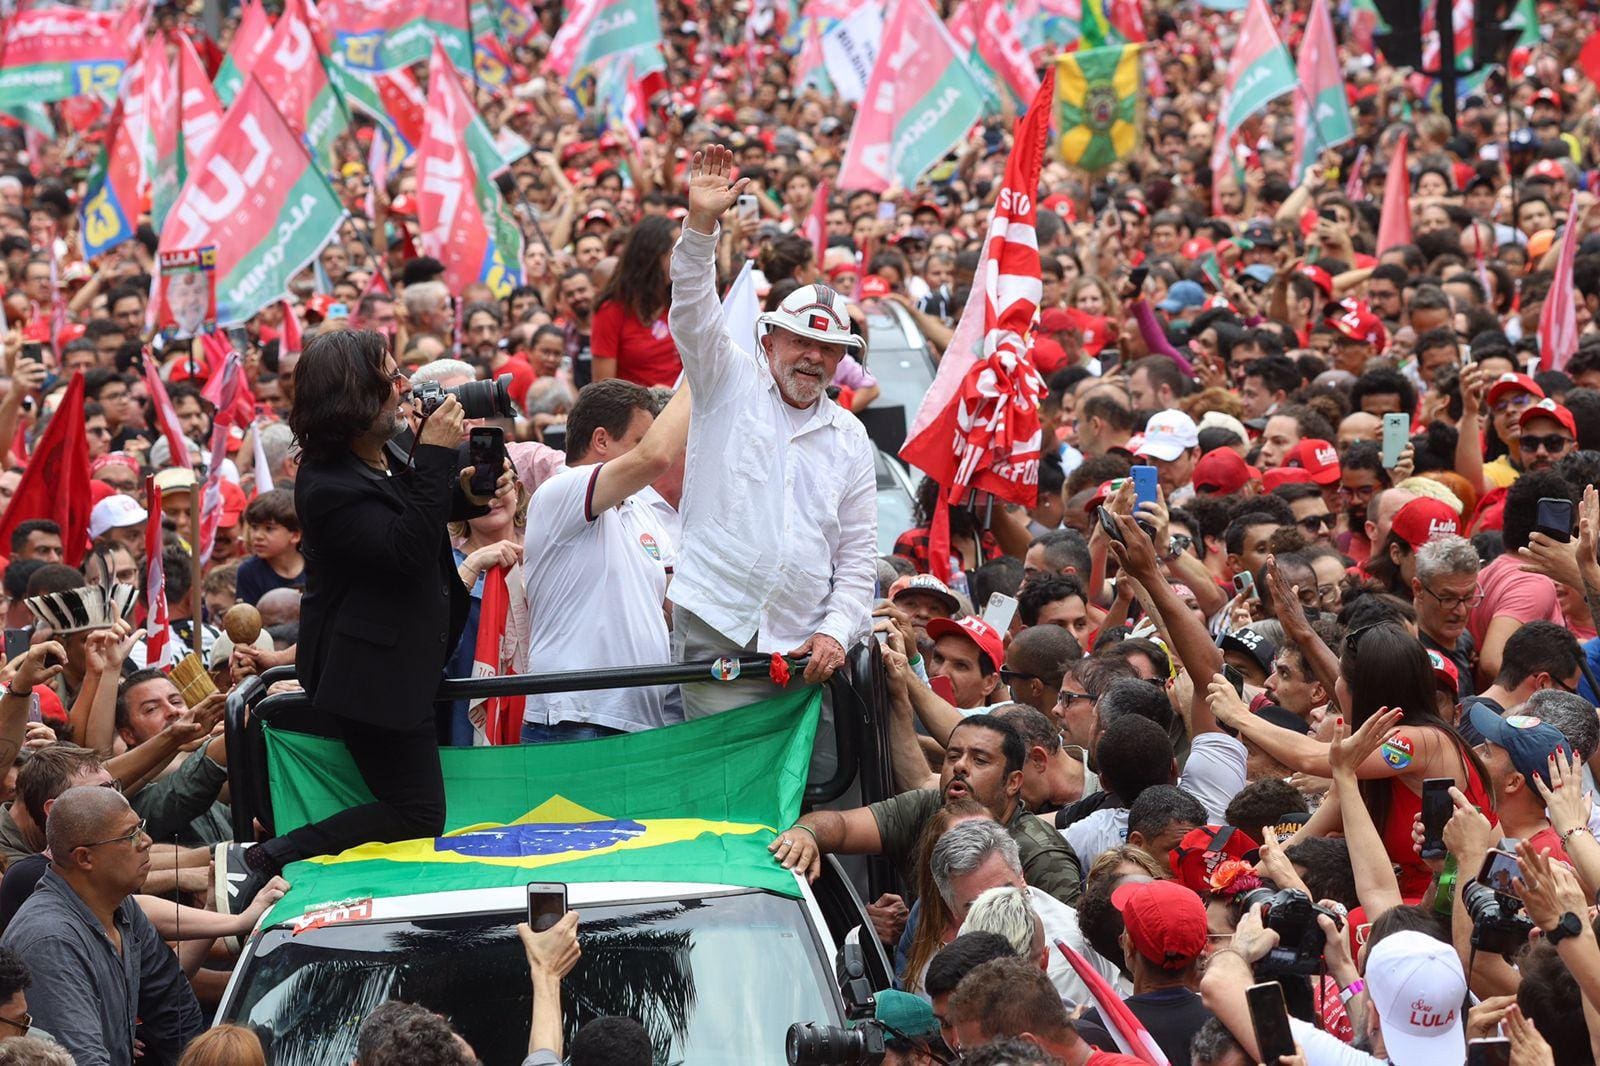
<point x="257" y="199"/>
<point x="1321" y="112"/>
<point x="249" y="41"/>
<point x="594" y="30"/>
<point x="109" y="213"/>
<point x="921" y="100"/>
<point x="465" y="223"/>
<point x="52" y="53"/>
<point x="1099" y="94"/>
<point x="985" y="397"/>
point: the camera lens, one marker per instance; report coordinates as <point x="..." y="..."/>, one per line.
<point x="485" y="399"/>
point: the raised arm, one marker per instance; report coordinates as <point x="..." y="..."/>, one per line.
<point x="43" y="662"/>
<point x="695" y="315"/>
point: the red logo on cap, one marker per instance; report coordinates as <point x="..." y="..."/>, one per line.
<point x="819" y="322"/>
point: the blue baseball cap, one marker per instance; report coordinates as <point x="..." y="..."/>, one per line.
<point x="1528" y="741"/>
<point x="1182" y="296"/>
<point x="1259" y="272"/>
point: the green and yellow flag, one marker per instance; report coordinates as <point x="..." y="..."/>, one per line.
<point x="1098" y="99"/>
<point x="693" y="802"/>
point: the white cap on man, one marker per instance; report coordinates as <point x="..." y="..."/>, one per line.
<point x="115" y="512"/>
<point x="1168" y="435"/>
<point x="1417" y="985"/>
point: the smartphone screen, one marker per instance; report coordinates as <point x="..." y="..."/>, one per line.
<point x="1437" y="807"/>
<point x="1489" y="1051"/>
<point x="486" y="451"/>
<point x="1500" y="872"/>
<point x="1270" y="1020"/>
<point x="1235" y="678"/>
<point x="547" y="903"/>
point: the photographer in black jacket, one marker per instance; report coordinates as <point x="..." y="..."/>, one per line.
<point x="383" y="604"/>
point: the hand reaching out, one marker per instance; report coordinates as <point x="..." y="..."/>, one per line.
<point x="712" y="190"/>
<point x="1564" y="798"/>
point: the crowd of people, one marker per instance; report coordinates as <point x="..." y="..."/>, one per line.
<point x="1154" y="741"/>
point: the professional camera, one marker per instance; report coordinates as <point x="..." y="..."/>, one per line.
<point x="478" y="399"/>
<point x="1498" y="924"/>
<point x="1291" y="914"/>
<point x="814" y="1044"/>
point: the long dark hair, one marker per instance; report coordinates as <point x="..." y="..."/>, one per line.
<point x="340" y="387"/>
<point x="641" y="283"/>
<point x="1384" y="666"/>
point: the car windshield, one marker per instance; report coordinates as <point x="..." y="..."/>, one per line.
<point x="714" y="980"/>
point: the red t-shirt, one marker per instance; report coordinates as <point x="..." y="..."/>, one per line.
<point x="645" y="354"/>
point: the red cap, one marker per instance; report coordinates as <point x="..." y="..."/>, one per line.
<point x="839" y="270"/>
<point x="1319" y="277"/>
<point x="318" y="305"/>
<point x="1105" y="490"/>
<point x="1547" y="168"/>
<point x="1166" y="922"/>
<point x="1202" y="849"/>
<point x="1196" y="247"/>
<point x="1061" y="204"/>
<point x="1221" y="472"/>
<point x="1317" y="458"/>
<point x="1057" y="320"/>
<point x="1048" y="356"/>
<point x="1548" y="408"/>
<point x="928" y="205"/>
<point x="1445" y="675"/>
<point x="1551" y="97"/>
<point x="874" y="287"/>
<point x="1284" y="475"/>
<point x="403" y="205"/>
<point x="1359" y="324"/>
<point x="975" y="629"/>
<point x="233" y="503"/>
<point x="1509" y="383"/>
<point x="1424" y="518"/>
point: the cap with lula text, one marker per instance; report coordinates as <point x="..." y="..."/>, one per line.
<point x="1318" y="458"/>
<point x="1417" y="984"/>
<point x="1423" y="519"/>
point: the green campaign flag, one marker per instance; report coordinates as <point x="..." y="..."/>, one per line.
<point x="1098" y="104"/>
<point x="698" y="801"/>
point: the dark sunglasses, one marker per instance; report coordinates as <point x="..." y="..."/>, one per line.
<point x="1552" y="443"/>
<point x="1315" y="522"/>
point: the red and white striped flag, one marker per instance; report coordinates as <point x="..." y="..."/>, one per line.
<point x="985" y="398"/>
<point x="498" y="717"/>
<point x="157" y="627"/>
<point x="1558" y="318"/>
<point x="166" y="414"/>
<point x="1126" y="1029"/>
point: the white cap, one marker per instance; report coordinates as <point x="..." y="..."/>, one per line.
<point x="1168" y="435"/>
<point x="1219" y="420"/>
<point x="114" y="512"/>
<point x="1417" y="984"/>
<point x="814" y="311"/>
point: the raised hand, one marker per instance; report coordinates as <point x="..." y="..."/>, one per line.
<point x="712" y="190"/>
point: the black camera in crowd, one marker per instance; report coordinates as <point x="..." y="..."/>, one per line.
<point x="1498" y="924"/>
<point x="478" y="399"/>
<point x="1291" y="914"/>
<point x="814" y="1044"/>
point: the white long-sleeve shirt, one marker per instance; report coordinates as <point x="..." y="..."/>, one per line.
<point x="780" y="524"/>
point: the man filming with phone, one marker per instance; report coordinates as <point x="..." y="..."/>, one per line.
<point x="779" y="497"/>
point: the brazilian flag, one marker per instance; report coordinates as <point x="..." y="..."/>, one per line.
<point x="1098" y="102"/>
<point x="698" y="801"/>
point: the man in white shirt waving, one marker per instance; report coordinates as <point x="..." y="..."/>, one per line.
<point x="779" y="498"/>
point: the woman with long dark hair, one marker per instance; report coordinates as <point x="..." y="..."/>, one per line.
<point x="383" y="602"/>
<point x="629" y="338"/>
<point x="1381" y="666"/>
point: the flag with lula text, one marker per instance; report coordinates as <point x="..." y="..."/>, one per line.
<point x="920" y="101"/>
<point x="1321" y="112"/>
<point x="258" y="200"/>
<point x="55" y="52"/>
<point x="978" y="426"/>
<point x="249" y="41"/>
<point x="465" y="223"/>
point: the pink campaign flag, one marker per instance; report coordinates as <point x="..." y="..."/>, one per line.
<point x="1000" y="46"/>
<point x="1321" y="111"/>
<point x="1558" y="320"/>
<point x="1394" y="225"/>
<point x="1259" y="71"/>
<point x="166" y="415"/>
<point x="156" y="624"/>
<point x="232" y="380"/>
<point x="816" y="224"/>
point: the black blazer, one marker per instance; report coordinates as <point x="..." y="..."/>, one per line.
<point x="383" y="604"/>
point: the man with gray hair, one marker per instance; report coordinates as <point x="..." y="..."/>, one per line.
<point x="427" y="308"/>
<point x="535" y="463"/>
<point x="1445" y="590"/>
<point x="100" y="969"/>
<point x="975" y="856"/>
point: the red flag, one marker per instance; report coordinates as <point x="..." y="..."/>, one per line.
<point x="500" y="717"/>
<point x="155" y="580"/>
<point x="1394" y="226"/>
<point x="816" y="226"/>
<point x="1589" y="57"/>
<point x="231" y="397"/>
<point x="986" y="395"/>
<point x="230" y="385"/>
<point x="166" y="414"/>
<point x="1558" y="320"/>
<point x="289" y="332"/>
<point x="1125" y="1027"/>
<point x="55" y="484"/>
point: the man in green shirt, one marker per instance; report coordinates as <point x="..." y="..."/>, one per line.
<point x="983" y="761"/>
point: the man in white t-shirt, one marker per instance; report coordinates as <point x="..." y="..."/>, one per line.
<point x="596" y="561"/>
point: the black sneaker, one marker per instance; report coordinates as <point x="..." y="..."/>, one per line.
<point x="239" y="874"/>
